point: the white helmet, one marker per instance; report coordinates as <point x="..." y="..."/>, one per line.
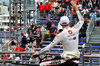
<point x="64" y="20"/>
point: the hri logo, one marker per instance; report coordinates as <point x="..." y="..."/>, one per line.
<point x="74" y="38"/>
<point x="55" y="62"/>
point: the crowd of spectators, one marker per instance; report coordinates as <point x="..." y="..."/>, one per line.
<point x="56" y="8"/>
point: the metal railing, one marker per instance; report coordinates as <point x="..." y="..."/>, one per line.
<point x="26" y="53"/>
<point x="90" y="55"/>
<point x="5" y="46"/>
<point x="7" y="52"/>
<point x="30" y="3"/>
<point x="90" y="29"/>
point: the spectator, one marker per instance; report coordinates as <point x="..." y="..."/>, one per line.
<point x="38" y="32"/>
<point x="57" y="7"/>
<point x="23" y="41"/>
<point x="75" y="15"/>
<point x="95" y="9"/>
<point x="91" y="14"/>
<point x="79" y="6"/>
<point x="43" y="28"/>
<point x="55" y="4"/>
<point x="83" y="29"/>
<point x="38" y="41"/>
<point x="52" y="31"/>
<point x="84" y="4"/>
<point x="34" y="30"/>
<point x="33" y="25"/>
<point x="67" y="12"/>
<point x="48" y="24"/>
<point x="89" y="5"/>
<point x="41" y="8"/>
<point x="17" y="58"/>
<point x="10" y="47"/>
<point x="47" y="34"/>
<point x="33" y="49"/>
<point x="82" y="32"/>
<point x="32" y="60"/>
<point x="72" y="11"/>
<point x="47" y="9"/>
<point x="61" y="9"/>
<point x="52" y="8"/>
<point x="29" y="29"/>
<point x="84" y="10"/>
<point x="31" y="38"/>
<point x="13" y="41"/>
<point x="27" y="49"/>
<point x="75" y="21"/>
<point x="56" y="13"/>
<point x="25" y="34"/>
<point x="39" y="26"/>
<point x="94" y="4"/>
<point x="85" y="24"/>
<point x="4" y="57"/>
<point x="87" y="15"/>
<point x="41" y="57"/>
<point x="49" y="57"/>
<point x="11" y="55"/>
<point x="18" y="32"/>
<point x="96" y="19"/>
<point x="64" y="6"/>
<point x="18" y="48"/>
<point x="51" y="2"/>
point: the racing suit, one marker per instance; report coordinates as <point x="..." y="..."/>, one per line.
<point x="69" y="39"/>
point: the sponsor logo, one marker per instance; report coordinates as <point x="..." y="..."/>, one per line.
<point x="75" y="27"/>
<point x="74" y="38"/>
<point x="81" y="19"/>
<point x="70" y="32"/>
<point x="55" y="62"/>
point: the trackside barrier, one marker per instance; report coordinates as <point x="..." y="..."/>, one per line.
<point x="90" y="29"/>
<point x="91" y="55"/>
<point x="14" y="61"/>
<point x="7" y="52"/>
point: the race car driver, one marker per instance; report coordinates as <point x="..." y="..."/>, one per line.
<point x="69" y="39"/>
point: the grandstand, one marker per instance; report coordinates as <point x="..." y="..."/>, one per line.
<point x="28" y="12"/>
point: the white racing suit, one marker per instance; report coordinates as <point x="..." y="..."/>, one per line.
<point x="69" y="39"/>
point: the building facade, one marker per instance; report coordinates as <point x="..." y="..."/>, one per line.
<point x="3" y="9"/>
